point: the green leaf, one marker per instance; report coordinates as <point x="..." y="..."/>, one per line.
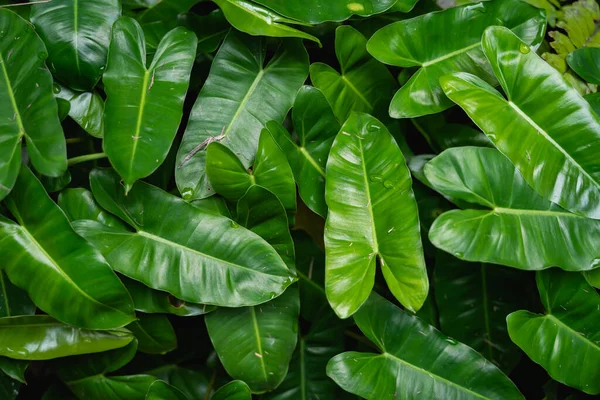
<point x="234" y="390"/>
<point x="315" y="127"/>
<point x="547" y="130"/>
<point x="41" y="337"/>
<point x="144" y="105"/>
<point x="260" y="211"/>
<point x="372" y="215"/>
<point x="240" y="95"/>
<point x="13" y="301"/>
<point x="28" y="108"/>
<point x="453" y="44"/>
<point x="363" y="85"/>
<point x="188" y="250"/>
<point x="316" y="11"/>
<point x="9" y="388"/>
<point x="593" y="277"/>
<point x="255" y="344"/>
<point x="564" y="340"/>
<point x="210" y="29"/>
<point x="15" y="369"/>
<point x="77" y="34"/>
<point x="79" y="204"/>
<point x="310" y="268"/>
<point x="193" y="384"/>
<point x="441" y="135"/>
<point x="64" y="275"/>
<point x="416" y="361"/>
<point x="586" y="63"/>
<point x="100" y="387"/>
<point x="594" y="100"/>
<point x="517" y="227"/>
<point x="160" y="390"/>
<point x="86" y="108"/>
<point x="473" y="301"/>
<point x="257" y="20"/>
<point x="154" y="333"/>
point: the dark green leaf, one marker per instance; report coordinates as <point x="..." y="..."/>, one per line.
<point x="154" y="333"/>
<point x="86" y="108"/>
<point x="234" y="390"/>
<point x="100" y="387"/>
<point x="209" y="29"/>
<point x="586" y="63"/>
<point x="160" y="390"/>
<point x="79" y="204"/>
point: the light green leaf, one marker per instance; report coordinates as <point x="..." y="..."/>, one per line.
<point x="79" y="204"/>
<point x="85" y="108"/>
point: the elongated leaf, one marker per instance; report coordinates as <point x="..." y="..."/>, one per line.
<point x="154" y="333"/>
<point x="144" y="105"/>
<point x="101" y="387"/>
<point x="210" y="29"/>
<point x="234" y="390"/>
<point x="416" y="361"/>
<point x="240" y="95"/>
<point x="79" y="204"/>
<point x="586" y="63"/>
<point x="255" y="344"/>
<point x="473" y="301"/>
<point x="257" y="20"/>
<point x="549" y="133"/>
<point x="77" y="34"/>
<point x="160" y="390"/>
<point x="372" y="215"/>
<point x="363" y="85"/>
<point x="315" y="127"/>
<point x="564" y="340"/>
<point x="196" y="256"/>
<point x="41" y="337"/>
<point x="86" y="108"/>
<point x="517" y="228"/>
<point x="27" y="105"/>
<point x="453" y="44"/>
<point x="63" y="274"/>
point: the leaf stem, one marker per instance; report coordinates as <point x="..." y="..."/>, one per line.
<point x="211" y="384"/>
<point x="84" y="158"/>
<point x="74" y="140"/>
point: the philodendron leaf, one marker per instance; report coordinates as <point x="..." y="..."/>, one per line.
<point x="79" y="204"/>
<point x="240" y="95"/>
<point x="416" y="362"/>
<point x="315" y="127"/>
<point x="210" y="29"/>
<point x="564" y="340"/>
<point x="372" y="215"/>
<point x="77" y="34"/>
<point x="234" y="390"/>
<point x="154" y="334"/>
<point x="363" y="83"/>
<point x="85" y="108"/>
<point x="517" y="227"/>
<point x="547" y="130"/>
<point x="257" y="20"/>
<point x="194" y="384"/>
<point x="255" y="344"/>
<point x="194" y="255"/>
<point x="63" y="274"/>
<point x="144" y="105"/>
<point x="28" y="108"/>
<point x="231" y="179"/>
<point x="160" y="390"/>
<point x="101" y="387"/>
<point x="41" y="337"/>
<point x="586" y="63"/>
<point x="452" y="44"/>
<point x="473" y="300"/>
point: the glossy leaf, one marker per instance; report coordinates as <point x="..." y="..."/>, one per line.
<point x="210" y="29"/>
<point x="416" y="361"/>
<point x="41" y="337"/>
<point x="194" y="384"/>
<point x="372" y="215"/>
<point x="86" y="108"/>
<point x="13" y="301"/>
<point x="28" y="109"/>
<point x="255" y="344"/>
<point x="453" y="44"/>
<point x="154" y="334"/>
<point x="594" y="100"/>
<point x="363" y="85"/>
<point x="191" y="249"/>
<point x="564" y="340"/>
<point x="441" y="135"/>
<point x="234" y="390"/>
<point x="63" y="274"/>
<point x="256" y="20"/>
<point x="144" y="105"/>
<point x="517" y="227"/>
<point x="232" y="110"/>
<point x="79" y="204"/>
<point x="77" y="34"/>
<point x="586" y="63"/>
<point x="547" y="130"/>
<point x="160" y="390"/>
<point x="101" y="387"/>
<point x="9" y="389"/>
<point x="315" y="127"/>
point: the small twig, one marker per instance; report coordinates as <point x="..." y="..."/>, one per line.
<point x="74" y="140"/>
<point x="209" y="389"/>
<point x="201" y="146"/>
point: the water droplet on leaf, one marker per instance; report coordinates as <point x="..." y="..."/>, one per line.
<point x="388" y="184"/>
<point x="56" y="89"/>
<point x="373" y="128"/>
<point x="595" y="262"/>
<point x="376" y="178"/>
<point x="458" y="254"/>
<point x="523" y="48"/>
<point x="234" y="224"/>
<point x="42" y="55"/>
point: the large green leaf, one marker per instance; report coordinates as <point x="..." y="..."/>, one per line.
<point x="441" y="135"/>
<point x="564" y="340"/>
<point x="255" y="344"/>
<point x="372" y="215"/>
<point x="229" y="177"/>
<point x="517" y="227"/>
<point x="473" y="300"/>
<point x="101" y="387"/>
<point x="27" y="105"/>
<point x="234" y="390"/>
<point x="240" y="95"/>
<point x="315" y="127"/>
<point x="41" y="337"/>
<point x="154" y="334"/>
<point x="77" y="34"/>
<point x="257" y="20"/>
<point x="63" y="274"/>
<point x="160" y="390"/>
<point x="144" y="105"/>
<point x="194" y="384"/>
<point x="586" y="62"/>
<point x="416" y="361"/>
<point x="85" y="108"/>
<point x="196" y="256"/>
<point x="79" y="204"/>
<point x="452" y="44"/>
<point x="210" y="29"/>
<point x="547" y="130"/>
<point x="363" y="85"/>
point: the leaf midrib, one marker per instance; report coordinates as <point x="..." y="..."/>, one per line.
<point x="11" y="95"/>
<point x="140" y="116"/>
<point x="574" y="332"/>
<point x="244" y="101"/>
<point x="450" y="55"/>
<point x="258" y="343"/>
<point x="375" y="245"/>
